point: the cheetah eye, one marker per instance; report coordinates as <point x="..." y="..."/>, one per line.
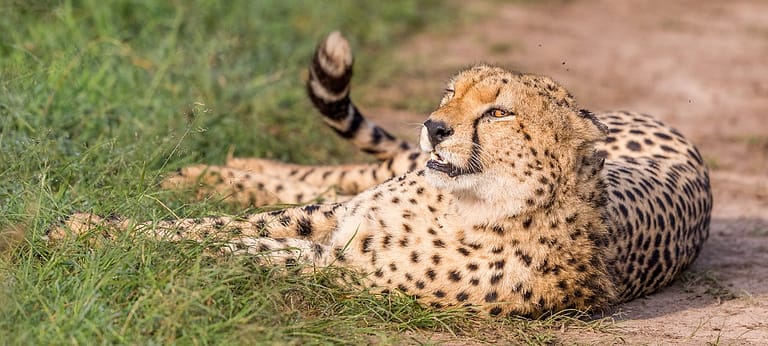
<point x="498" y="113"/>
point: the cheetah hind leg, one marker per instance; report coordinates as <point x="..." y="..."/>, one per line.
<point x="248" y="188"/>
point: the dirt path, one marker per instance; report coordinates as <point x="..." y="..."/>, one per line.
<point x="701" y="66"/>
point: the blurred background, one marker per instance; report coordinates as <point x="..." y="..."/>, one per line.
<point x="99" y="98"/>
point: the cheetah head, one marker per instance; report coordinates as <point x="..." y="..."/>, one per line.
<point x="506" y="142"/>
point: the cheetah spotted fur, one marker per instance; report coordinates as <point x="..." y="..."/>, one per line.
<point x="517" y="203"/>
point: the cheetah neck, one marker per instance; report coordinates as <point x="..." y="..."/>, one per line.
<point x="569" y="236"/>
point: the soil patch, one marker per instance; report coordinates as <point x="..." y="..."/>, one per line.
<point x="699" y="66"/>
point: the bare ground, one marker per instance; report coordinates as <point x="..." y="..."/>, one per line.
<point x="701" y="66"/>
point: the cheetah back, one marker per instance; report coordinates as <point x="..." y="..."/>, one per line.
<point x="659" y="201"/>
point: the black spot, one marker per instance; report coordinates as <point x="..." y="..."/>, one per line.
<point x="623" y="210"/>
<point x="415" y="257"/>
<point x="527" y="295"/>
<point x="491" y="297"/>
<point x="436" y="305"/>
<point x="304" y="227"/>
<point x="438" y="243"/>
<point x="498" y="264"/>
<point x="420" y="284"/>
<point x="527" y="223"/>
<point x="495" y="311"/>
<point x="309" y="209"/>
<point x="630" y="195"/>
<point x="634" y="146"/>
<point x="526" y="258"/>
<point x="339" y="254"/>
<point x="463" y="251"/>
<point x="318" y="250"/>
<point x="472" y="266"/>
<point x="439" y="294"/>
<point x="431" y="274"/>
<point x="496" y="278"/>
<point x="366" y="244"/>
<point x="462" y="296"/>
<point x="436" y="259"/>
<point x="454" y="276"/>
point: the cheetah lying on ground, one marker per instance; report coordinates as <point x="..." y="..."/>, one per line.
<point x="518" y="202"/>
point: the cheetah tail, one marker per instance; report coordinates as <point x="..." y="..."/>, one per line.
<point x="328" y="88"/>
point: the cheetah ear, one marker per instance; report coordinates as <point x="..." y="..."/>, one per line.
<point x="591" y="117"/>
<point x="589" y="126"/>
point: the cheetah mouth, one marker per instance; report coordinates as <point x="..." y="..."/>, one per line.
<point x="438" y="163"/>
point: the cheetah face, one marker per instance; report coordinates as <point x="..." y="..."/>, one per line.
<point x="504" y="138"/>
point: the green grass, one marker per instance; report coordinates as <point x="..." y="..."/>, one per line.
<point x="99" y="98"/>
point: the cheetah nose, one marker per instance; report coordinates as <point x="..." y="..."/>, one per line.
<point x="437" y="131"/>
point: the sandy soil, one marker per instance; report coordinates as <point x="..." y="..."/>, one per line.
<point x="701" y="66"/>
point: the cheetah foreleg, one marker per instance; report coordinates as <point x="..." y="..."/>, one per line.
<point x="313" y="222"/>
<point x="281" y="251"/>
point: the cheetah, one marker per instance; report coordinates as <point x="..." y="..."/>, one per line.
<point x="516" y="202"/>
